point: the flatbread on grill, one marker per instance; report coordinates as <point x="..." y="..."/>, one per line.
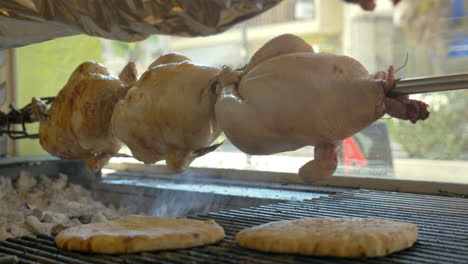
<point x="339" y="237"/>
<point x="139" y="233"/>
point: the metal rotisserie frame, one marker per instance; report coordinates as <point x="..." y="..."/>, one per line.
<point x="443" y="229"/>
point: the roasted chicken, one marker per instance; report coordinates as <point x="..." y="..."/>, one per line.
<point x="169" y="113"/>
<point x="369" y="5"/>
<point x="77" y="126"/>
<point x="289" y="97"/>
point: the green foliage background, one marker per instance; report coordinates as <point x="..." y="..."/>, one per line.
<point x="443" y="136"/>
<point x="44" y="68"/>
<point x="426" y="34"/>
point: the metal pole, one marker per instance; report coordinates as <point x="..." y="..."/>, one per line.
<point x="431" y="84"/>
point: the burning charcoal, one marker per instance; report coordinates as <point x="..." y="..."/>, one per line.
<point x="74" y="222"/>
<point x="48" y="227"/>
<point x="6" y="183"/>
<point x="83" y="219"/>
<point x="19" y="230"/>
<point x="45" y="181"/>
<point x="4" y="234"/>
<point x="37" y="199"/>
<point x="36" y="226"/>
<point x="75" y="192"/>
<point x="15" y="217"/>
<point x="24" y="209"/>
<point x="57" y="229"/>
<point x="3" y="190"/>
<point x="6" y="186"/>
<point x="61" y="182"/>
<point x="24" y="182"/>
<point x="40" y="205"/>
<point x="37" y="213"/>
<point x="98" y="218"/>
<point x="9" y="260"/>
<point x="47" y="218"/>
<point x="56" y="218"/>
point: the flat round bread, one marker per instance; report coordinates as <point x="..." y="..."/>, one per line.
<point x="139" y="233"/>
<point x="339" y="237"/>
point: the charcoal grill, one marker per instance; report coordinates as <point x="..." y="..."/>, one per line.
<point x="442" y="222"/>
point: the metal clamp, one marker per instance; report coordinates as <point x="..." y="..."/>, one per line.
<point x="19" y="117"/>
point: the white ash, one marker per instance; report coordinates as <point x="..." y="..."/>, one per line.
<point x="8" y="259"/>
<point x="42" y="205"/>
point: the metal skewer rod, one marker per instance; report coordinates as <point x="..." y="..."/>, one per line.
<point x="431" y="84"/>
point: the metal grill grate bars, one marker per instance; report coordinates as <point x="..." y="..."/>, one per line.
<point x="442" y="222"/>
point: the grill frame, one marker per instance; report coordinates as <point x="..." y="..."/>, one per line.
<point x="440" y="241"/>
<point x="333" y="184"/>
<point x="443" y="234"/>
<point x="50" y="166"/>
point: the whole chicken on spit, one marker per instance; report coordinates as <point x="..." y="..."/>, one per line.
<point x="285" y="98"/>
<point x="288" y="97"/>
<point x="77" y="126"/>
<point x="169" y="113"/>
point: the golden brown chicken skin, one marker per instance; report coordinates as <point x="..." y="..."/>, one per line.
<point x="77" y="126"/>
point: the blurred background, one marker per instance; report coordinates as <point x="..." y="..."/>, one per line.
<point x="433" y="34"/>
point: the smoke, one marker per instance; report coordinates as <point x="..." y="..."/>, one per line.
<point x="171" y="203"/>
<point x="185" y="198"/>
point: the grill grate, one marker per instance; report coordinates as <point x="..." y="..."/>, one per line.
<point x="442" y="222"/>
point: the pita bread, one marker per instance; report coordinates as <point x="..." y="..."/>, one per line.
<point x="139" y="233"/>
<point x="339" y="237"/>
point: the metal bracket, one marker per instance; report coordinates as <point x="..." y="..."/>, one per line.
<point x="21" y="117"/>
